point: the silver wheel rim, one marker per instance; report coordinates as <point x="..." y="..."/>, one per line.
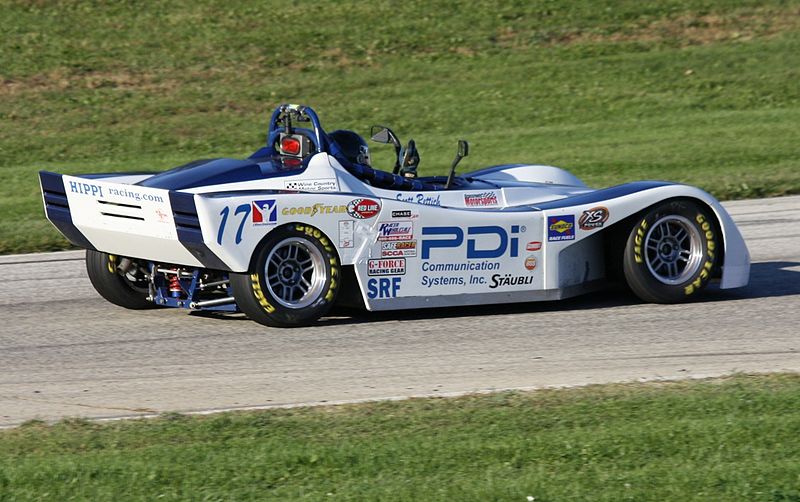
<point x="295" y="272"/>
<point x="673" y="250"/>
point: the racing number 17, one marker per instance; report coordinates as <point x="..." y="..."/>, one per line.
<point x="244" y="210"/>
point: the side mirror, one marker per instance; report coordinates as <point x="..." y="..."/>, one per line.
<point x="463" y="148"/>
<point x="462" y="151"/>
<point x="382" y="134"/>
<point x="379" y="134"/>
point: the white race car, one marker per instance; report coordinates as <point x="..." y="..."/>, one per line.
<point x="305" y="222"/>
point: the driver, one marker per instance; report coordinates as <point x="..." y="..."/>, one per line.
<point x="353" y="146"/>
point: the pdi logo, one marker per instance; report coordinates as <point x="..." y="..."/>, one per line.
<point x="488" y="242"/>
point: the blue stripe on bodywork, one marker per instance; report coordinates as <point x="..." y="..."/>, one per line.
<point x="603" y="194"/>
<point x="202" y="173"/>
<point x="56" y="207"/>
<point x="100" y="176"/>
<point x="187" y="223"/>
<point x="491" y="170"/>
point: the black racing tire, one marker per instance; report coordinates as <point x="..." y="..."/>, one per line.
<point x="293" y="280"/>
<point x="125" y="291"/>
<point x="671" y="251"/>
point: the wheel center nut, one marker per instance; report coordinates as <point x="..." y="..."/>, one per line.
<point x="669" y="250"/>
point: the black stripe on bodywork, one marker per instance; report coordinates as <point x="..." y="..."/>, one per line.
<point x="56" y="208"/>
<point x="187" y="223"/>
<point x="602" y="195"/>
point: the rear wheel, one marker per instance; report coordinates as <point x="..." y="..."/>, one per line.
<point x="294" y="278"/>
<point x="671" y="252"/>
<point x="119" y="280"/>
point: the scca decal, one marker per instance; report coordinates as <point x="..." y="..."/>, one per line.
<point x="506" y="243"/>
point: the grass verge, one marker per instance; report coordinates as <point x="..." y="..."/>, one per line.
<point x="695" y="91"/>
<point x="721" y="439"/>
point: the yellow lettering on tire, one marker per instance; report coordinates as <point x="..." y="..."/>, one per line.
<point x="637" y="248"/>
<point x="259" y="294"/>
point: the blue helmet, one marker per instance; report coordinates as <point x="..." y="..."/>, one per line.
<point x="352" y="145"/>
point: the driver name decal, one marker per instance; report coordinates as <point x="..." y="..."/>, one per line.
<point x="420" y="198"/>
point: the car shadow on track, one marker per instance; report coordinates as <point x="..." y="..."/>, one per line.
<point x="615" y="296"/>
<point x="767" y="279"/>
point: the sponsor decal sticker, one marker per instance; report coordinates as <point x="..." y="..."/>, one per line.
<point x="533" y="246"/>
<point x="510" y="280"/>
<point x="111" y="191"/>
<point x="313" y="210"/>
<point x="265" y="212"/>
<point x="396" y="231"/>
<point x="561" y="228"/>
<point x="385" y="287"/>
<point x="392" y="249"/>
<point x="86" y="188"/>
<point x="361" y="209"/>
<point x="530" y="263"/>
<point x="483" y="199"/>
<point x="489" y="241"/>
<point x="405" y="213"/>
<point x="137" y="196"/>
<point x="593" y="218"/>
<point x="162" y="216"/>
<point x="321" y="185"/>
<point x="386" y="266"/>
<point x="346" y="233"/>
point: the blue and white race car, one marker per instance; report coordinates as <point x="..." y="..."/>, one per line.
<point x="306" y="222"/>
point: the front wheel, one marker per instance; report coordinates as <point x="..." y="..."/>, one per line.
<point x="119" y="280"/>
<point x="671" y="252"/>
<point x="293" y="280"/>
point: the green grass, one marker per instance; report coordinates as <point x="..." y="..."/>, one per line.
<point x="723" y="439"/>
<point x="697" y="91"/>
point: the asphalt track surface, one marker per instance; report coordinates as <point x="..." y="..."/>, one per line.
<point x="65" y="352"/>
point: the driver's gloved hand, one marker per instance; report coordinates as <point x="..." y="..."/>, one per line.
<point x="408" y="171"/>
<point x="408" y="168"/>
